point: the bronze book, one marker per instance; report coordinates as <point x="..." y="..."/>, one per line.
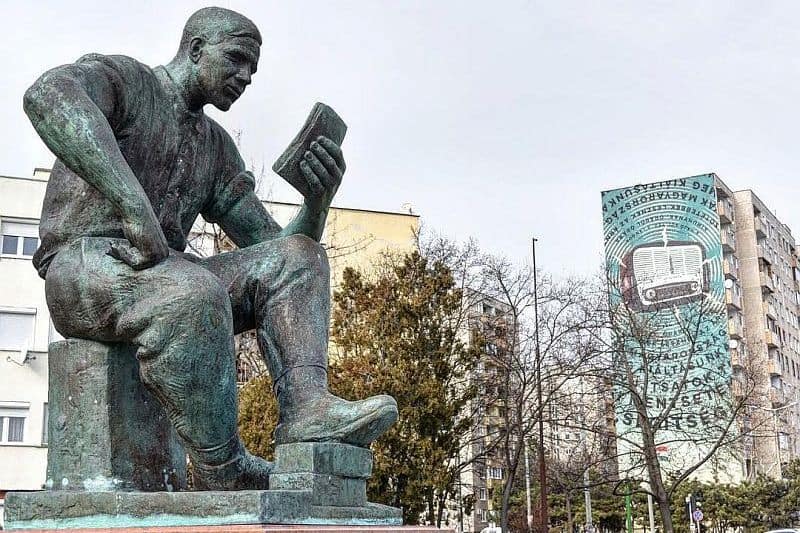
<point x="322" y="120"/>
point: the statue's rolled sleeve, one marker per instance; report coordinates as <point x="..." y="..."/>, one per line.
<point x="227" y="194"/>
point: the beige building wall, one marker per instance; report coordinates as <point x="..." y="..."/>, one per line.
<point x="355" y="237"/>
<point x="768" y="275"/>
<point x="760" y="265"/>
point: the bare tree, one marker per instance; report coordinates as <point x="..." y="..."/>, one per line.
<point x="545" y="353"/>
<point x="678" y="406"/>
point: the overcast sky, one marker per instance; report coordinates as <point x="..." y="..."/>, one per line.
<point x="498" y="120"/>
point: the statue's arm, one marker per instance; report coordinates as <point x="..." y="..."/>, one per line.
<point x="247" y="222"/>
<point x="68" y="106"/>
<point x="244" y="218"/>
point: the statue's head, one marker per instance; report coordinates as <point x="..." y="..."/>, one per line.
<point x="221" y="47"/>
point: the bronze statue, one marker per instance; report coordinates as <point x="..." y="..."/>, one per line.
<point x="138" y="160"/>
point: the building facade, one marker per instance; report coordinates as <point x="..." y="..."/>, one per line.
<point x="480" y="449"/>
<point x="353" y="237"/>
<point x="764" y="325"/>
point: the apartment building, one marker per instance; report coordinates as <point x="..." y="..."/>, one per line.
<point x="760" y="264"/>
<point x="353" y="237"/>
<point x="485" y="471"/>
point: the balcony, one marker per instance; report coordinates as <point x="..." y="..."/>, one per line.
<point x="735" y="329"/>
<point x="767" y="285"/>
<point x="728" y="240"/>
<point x="765" y="254"/>
<point x="775" y="368"/>
<point x="733" y="299"/>
<point x="771" y="339"/>
<point x="777" y="397"/>
<point x="737" y="359"/>
<point x="729" y="270"/>
<point x="759" y="226"/>
<point x="769" y="309"/>
<point x="725" y="212"/>
<point x="737" y="389"/>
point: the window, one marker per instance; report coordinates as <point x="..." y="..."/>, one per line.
<point x="45" y="424"/>
<point x="12" y="423"/>
<point x="18" y="239"/>
<point x="16" y="328"/>
<point x="482" y="493"/>
<point x="495" y="472"/>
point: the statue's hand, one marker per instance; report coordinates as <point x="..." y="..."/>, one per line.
<point x="147" y="247"/>
<point x="322" y="167"/>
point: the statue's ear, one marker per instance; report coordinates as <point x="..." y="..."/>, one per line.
<point x="196" y="49"/>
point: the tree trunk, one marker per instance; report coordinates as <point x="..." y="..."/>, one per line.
<point x="666" y="514"/>
<point x="653" y="465"/>
<point x="440" y="501"/>
<point x="505" y="505"/>
<point x="568" y="507"/>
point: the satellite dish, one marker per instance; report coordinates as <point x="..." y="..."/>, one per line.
<point x="18" y="357"/>
<point x="21" y="357"/>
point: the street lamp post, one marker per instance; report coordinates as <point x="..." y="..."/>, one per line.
<point x="543" y="519"/>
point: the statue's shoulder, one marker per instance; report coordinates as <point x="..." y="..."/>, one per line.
<point x="226" y="146"/>
<point x="121" y="64"/>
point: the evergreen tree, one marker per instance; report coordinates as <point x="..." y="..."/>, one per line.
<point x="403" y="333"/>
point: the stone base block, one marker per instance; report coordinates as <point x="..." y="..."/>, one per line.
<point x="336" y="474"/>
<point x="107" y="432"/>
<point x="63" y="509"/>
<point x="259" y="529"/>
<point x="325" y="490"/>
<point x="327" y="458"/>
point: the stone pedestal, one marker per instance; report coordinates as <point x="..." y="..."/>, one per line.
<point x="114" y="462"/>
<point x="260" y="529"/>
<point x="313" y="483"/>
<point x="106" y="431"/>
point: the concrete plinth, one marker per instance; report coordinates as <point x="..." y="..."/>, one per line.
<point x="115" y="462"/>
<point x="260" y="529"/>
<point x="63" y="509"/>
<point x="313" y="483"/>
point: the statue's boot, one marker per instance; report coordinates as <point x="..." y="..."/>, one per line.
<point x="230" y="467"/>
<point x="310" y="413"/>
<point x="292" y="319"/>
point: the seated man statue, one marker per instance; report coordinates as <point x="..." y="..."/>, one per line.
<point x="137" y="161"/>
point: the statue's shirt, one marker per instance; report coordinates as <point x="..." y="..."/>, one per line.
<point x="186" y="163"/>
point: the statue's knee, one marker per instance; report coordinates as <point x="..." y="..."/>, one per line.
<point x="306" y="253"/>
<point x="197" y="311"/>
<point x="207" y="304"/>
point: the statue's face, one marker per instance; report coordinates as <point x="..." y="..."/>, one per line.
<point x="225" y="70"/>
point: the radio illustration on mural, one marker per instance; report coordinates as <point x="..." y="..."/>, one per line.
<point x="656" y="275"/>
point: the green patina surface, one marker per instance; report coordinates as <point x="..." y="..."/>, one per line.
<point x="154" y="372"/>
<point x="96" y="510"/>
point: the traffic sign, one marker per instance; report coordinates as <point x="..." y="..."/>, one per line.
<point x="697" y="515"/>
